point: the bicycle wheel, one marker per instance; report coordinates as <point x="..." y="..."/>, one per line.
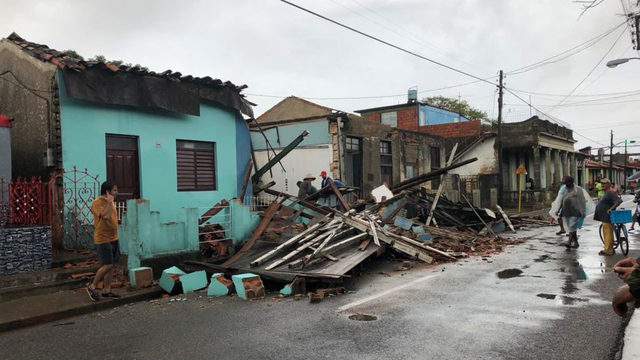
<point x="601" y="233"/>
<point x="623" y="238"/>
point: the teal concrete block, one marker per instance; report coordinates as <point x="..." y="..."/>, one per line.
<point x="403" y="223"/>
<point x="219" y="286"/>
<point x="425" y="237"/>
<point x="248" y="286"/>
<point x="287" y="290"/>
<point x="194" y="281"/>
<point x="170" y="279"/>
<point x="418" y="229"/>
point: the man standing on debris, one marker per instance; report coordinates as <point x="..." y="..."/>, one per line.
<point x="105" y="236"/>
<point x="327" y="197"/>
<point x="609" y="202"/>
<point x="574" y="203"/>
<point x="305" y="187"/>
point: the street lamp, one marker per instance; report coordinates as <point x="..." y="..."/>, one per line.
<point x="616" y="62"/>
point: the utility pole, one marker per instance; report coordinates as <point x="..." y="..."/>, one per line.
<point x="625" y="165"/>
<point x="499" y="141"/>
<point x="611" y="159"/>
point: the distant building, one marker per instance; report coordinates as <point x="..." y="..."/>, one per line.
<point x="544" y="149"/>
<point x="359" y="152"/>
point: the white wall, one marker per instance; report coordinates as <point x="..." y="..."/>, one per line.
<point x="487" y="162"/>
<point x="298" y="163"/>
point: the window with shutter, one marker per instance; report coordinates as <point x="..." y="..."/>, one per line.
<point x="196" y="165"/>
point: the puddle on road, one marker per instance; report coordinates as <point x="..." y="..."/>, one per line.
<point x="547" y="296"/>
<point x="562" y="299"/>
<point x="509" y="273"/>
<point x="363" y="317"/>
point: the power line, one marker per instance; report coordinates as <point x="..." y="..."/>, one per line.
<point x="552" y="59"/>
<point x="594" y="67"/>
<point x="387" y="43"/>
<point x="367" y="97"/>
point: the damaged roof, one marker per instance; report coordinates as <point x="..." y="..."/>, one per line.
<point x="294" y="108"/>
<point x="69" y="61"/>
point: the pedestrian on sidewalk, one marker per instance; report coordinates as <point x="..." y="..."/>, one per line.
<point x="105" y="236"/>
<point x="600" y="183"/>
<point x="629" y="271"/>
<point x="636" y="213"/>
<point x="574" y="204"/>
<point x="608" y="203"/>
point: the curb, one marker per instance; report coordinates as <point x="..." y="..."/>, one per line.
<point x="631" y="343"/>
<point x="81" y="310"/>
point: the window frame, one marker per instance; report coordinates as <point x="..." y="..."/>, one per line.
<point x="395" y="118"/>
<point x="210" y="171"/>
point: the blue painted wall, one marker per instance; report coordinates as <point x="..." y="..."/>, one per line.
<point x="84" y="126"/>
<point x="283" y="134"/>
<point x="430" y="115"/>
<point x="243" y="155"/>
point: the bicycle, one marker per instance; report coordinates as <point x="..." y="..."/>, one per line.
<point x="621" y="237"/>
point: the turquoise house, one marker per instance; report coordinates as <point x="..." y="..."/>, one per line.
<point x="179" y="141"/>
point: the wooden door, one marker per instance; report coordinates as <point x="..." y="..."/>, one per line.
<point x="123" y="167"/>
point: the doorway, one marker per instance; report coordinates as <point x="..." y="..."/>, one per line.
<point x="123" y="168"/>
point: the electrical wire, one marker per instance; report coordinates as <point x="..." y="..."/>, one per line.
<point x="594" y="67"/>
<point x="413" y="53"/>
<point x="368" y="97"/>
<point x="552" y="59"/>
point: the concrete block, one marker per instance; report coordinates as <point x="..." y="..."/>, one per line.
<point x="248" y="286"/>
<point x="403" y="223"/>
<point x="194" y="281"/>
<point x="220" y="285"/>
<point x="141" y="277"/>
<point x="170" y="280"/>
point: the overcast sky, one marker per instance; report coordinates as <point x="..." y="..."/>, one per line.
<point x="278" y="50"/>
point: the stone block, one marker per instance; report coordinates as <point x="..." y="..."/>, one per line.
<point x="170" y="280"/>
<point x="220" y="285"/>
<point x="141" y="277"/>
<point x="194" y="281"/>
<point x="403" y="223"/>
<point x="248" y="286"/>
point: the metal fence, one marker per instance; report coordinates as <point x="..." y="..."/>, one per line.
<point x="24" y="202"/>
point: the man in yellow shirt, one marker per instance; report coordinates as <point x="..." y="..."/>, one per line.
<point x="105" y="236"/>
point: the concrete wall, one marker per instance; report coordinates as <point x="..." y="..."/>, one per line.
<point x="30" y="132"/>
<point x="25" y="249"/>
<point x="298" y="163"/>
<point x="429" y="115"/>
<point x="281" y="135"/>
<point x="487" y="162"/>
<point x="84" y="129"/>
<point x="5" y="155"/>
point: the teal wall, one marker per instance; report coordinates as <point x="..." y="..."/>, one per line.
<point x="282" y="135"/>
<point x="84" y="126"/>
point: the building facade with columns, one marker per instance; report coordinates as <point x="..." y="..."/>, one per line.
<point x="546" y="152"/>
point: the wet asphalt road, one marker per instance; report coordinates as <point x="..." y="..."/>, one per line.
<point x="547" y="303"/>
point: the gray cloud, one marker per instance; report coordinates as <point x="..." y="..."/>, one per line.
<point x="278" y="50"/>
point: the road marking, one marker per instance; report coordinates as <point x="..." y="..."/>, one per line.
<point x="385" y="293"/>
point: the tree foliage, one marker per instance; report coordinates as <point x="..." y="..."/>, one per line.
<point x="101" y="58"/>
<point x="461" y="107"/>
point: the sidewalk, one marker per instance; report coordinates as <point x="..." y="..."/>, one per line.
<point x="631" y="348"/>
<point x="34" y="310"/>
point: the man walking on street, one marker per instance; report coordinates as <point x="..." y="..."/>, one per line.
<point x="105" y="236"/>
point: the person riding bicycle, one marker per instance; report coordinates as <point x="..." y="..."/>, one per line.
<point x="608" y="203"/>
<point x="636" y="214"/>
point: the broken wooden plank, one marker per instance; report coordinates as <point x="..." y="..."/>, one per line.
<point x="262" y="259"/>
<point x="298" y="250"/>
<point x="374" y="233"/>
<point x="506" y="218"/>
<point x="341" y="199"/>
<point x="245" y="180"/>
<point x="267" y="216"/>
<point x="478" y="215"/>
<point x="441" y="186"/>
